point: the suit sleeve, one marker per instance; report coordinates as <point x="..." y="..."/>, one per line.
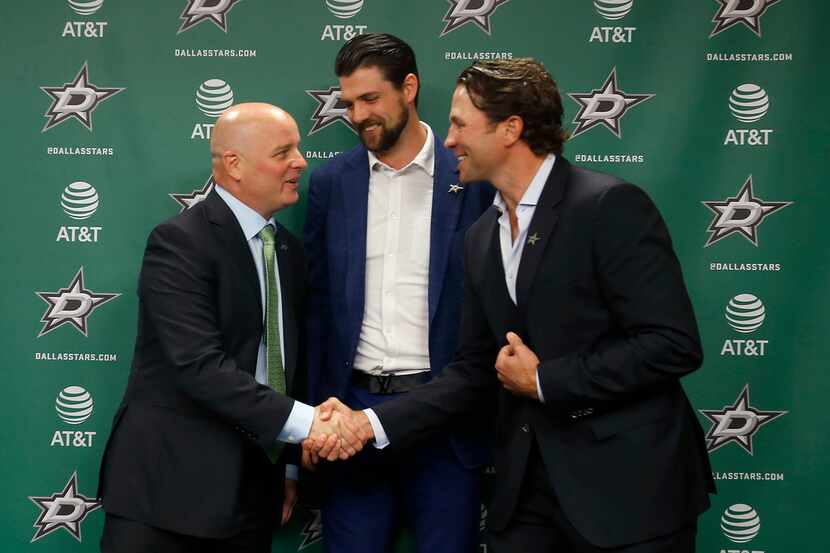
<point x="177" y="288"/>
<point x="319" y="307"/>
<point x="464" y="387"/>
<point x="639" y="277"/>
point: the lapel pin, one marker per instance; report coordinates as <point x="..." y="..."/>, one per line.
<point x="456" y="188"/>
<point x="533" y="238"/>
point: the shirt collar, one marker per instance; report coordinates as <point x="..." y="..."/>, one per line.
<point x="534" y="190"/>
<point x="425" y="158"/>
<point x="250" y="221"/>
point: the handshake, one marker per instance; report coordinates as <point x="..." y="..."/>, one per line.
<point x="337" y="432"/>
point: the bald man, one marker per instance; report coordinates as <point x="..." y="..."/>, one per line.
<point x="205" y="433"/>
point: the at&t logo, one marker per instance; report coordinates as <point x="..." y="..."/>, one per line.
<point x="613" y="10"/>
<point x="740" y="523"/>
<point x="79" y="201"/>
<point x="74" y="406"/>
<point x="748" y="103"/>
<point x="85" y="29"/>
<point x="343" y="9"/>
<point x="745" y="313"/>
<point x="213" y="97"/>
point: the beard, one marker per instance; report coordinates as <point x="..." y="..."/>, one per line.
<point x="388" y="136"/>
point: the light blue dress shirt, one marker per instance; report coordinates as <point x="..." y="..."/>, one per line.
<point x="298" y="425"/>
<point x="511" y="256"/>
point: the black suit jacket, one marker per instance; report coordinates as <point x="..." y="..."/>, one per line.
<point x="601" y="300"/>
<point x="188" y="448"/>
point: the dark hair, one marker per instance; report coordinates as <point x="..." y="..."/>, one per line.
<point x="391" y="55"/>
<point x="522" y="87"/>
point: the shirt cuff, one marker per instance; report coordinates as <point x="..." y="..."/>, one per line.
<point x="292" y="472"/>
<point x="539" y="386"/>
<point x="298" y="425"/>
<point x="381" y="440"/>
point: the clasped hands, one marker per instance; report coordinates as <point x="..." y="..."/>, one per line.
<point x="337" y="432"/>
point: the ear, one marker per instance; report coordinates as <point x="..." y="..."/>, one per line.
<point x="512" y="129"/>
<point x="232" y="163"/>
<point x="410" y="87"/>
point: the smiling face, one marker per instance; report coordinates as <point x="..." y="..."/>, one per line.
<point x="257" y="158"/>
<point x="473" y="139"/>
<point x="378" y="110"/>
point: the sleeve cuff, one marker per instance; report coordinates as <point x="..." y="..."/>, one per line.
<point x="298" y="425"/>
<point x="381" y="440"/>
<point x="539" y="386"/>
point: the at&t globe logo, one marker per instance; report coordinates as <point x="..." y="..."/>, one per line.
<point x="79" y="200"/>
<point x="87" y="7"/>
<point x="213" y="97"/>
<point x="613" y="9"/>
<point x="740" y="523"/>
<point x="344" y="9"/>
<point x="745" y="313"/>
<point x="748" y="103"/>
<point x="74" y="405"/>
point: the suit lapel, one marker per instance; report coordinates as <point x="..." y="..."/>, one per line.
<point x="232" y="238"/>
<point x="446" y="208"/>
<point x="496" y="295"/>
<point x="541" y="228"/>
<point x="355" y="195"/>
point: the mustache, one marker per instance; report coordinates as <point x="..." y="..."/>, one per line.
<point x="368" y="123"/>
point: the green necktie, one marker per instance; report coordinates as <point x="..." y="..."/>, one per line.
<point x="273" y="356"/>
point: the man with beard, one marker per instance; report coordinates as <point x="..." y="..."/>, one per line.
<point x="384" y="234"/>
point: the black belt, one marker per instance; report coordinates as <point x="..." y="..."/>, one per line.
<point x="389" y="383"/>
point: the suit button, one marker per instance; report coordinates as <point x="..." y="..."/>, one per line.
<point x="525" y="428"/>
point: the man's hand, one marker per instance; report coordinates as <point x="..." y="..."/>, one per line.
<point x="516" y="367"/>
<point x="290" y="499"/>
<point x="337" y="432"/>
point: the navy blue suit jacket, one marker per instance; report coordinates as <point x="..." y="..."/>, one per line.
<point x="335" y="241"/>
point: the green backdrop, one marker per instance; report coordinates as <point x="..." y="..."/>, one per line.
<point x="715" y="107"/>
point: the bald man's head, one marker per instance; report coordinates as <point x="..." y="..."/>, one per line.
<point x="255" y="155"/>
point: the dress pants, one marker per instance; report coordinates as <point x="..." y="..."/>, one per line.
<point x="123" y="535"/>
<point x="540" y="526"/>
<point x="425" y="489"/>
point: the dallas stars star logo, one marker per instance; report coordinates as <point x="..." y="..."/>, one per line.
<point x="66" y="509"/>
<point x="312" y="531"/>
<point x="215" y="11"/>
<point x="71" y="305"/>
<point x="737" y="423"/>
<point x="330" y="109"/>
<point x="605" y="106"/>
<point x="76" y="99"/>
<point x="461" y="13"/>
<point x="186" y="201"/>
<point x="732" y="12"/>
<point x="742" y="214"/>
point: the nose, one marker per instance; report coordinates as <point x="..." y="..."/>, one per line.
<point x="450" y="142"/>
<point x="299" y="160"/>
<point x="356" y="113"/>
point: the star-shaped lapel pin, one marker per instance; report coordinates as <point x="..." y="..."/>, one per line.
<point x="605" y="106"/>
<point x="533" y="238"/>
<point x="76" y="99"/>
<point x="456" y="188"/>
<point x="186" y="201"/>
<point x="73" y="305"/>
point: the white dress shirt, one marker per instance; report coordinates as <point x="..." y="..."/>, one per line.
<point x="394" y="335"/>
<point x="511" y="256"/>
<point x="298" y="425"/>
